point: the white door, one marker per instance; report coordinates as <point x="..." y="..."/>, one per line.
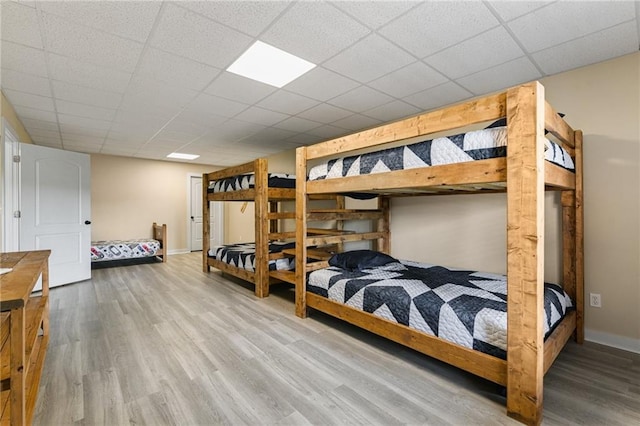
<point x="196" y="213"/>
<point x="55" y="210"/>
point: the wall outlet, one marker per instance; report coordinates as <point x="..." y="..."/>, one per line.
<point x="595" y="300"/>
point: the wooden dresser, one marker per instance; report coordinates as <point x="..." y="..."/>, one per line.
<point x="24" y="333"/>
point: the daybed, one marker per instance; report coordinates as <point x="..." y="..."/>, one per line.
<point x="466" y="166"/>
<point x="129" y="252"/>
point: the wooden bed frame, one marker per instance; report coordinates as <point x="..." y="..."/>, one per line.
<point x="524" y="175"/>
<point x="160" y="234"/>
<point x="267" y="217"/>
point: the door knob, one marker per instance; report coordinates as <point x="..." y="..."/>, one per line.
<point x="87" y="222"/>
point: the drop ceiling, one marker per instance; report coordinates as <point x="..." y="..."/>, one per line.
<point x="144" y="79"/>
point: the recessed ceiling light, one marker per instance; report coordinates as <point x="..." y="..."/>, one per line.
<point x="269" y="65"/>
<point x="182" y="156"/>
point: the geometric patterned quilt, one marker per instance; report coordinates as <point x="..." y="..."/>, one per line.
<point x="243" y="255"/>
<point x="464" y="307"/>
<point x="115" y="250"/>
<point x="471" y="146"/>
<point x="236" y="183"/>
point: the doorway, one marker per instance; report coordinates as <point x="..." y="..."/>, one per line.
<point x="195" y="216"/>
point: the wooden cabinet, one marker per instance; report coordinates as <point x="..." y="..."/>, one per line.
<point x="24" y="333"/>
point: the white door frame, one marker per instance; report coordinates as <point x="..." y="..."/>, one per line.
<point x="216" y="211"/>
<point x="10" y="189"/>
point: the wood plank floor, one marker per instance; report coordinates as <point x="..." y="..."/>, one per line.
<point x="165" y="344"/>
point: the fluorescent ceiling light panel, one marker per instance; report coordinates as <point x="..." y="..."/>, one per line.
<point x="270" y="65"/>
<point x="182" y="156"/>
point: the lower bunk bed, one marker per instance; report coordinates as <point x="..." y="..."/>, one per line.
<point x="106" y="254"/>
<point x="464" y="307"/>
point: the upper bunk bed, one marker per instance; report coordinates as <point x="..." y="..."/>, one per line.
<point x="250" y="182"/>
<point x="520" y="167"/>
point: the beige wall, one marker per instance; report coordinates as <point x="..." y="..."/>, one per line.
<point x="9" y="114"/>
<point x="469" y="231"/>
<point x="129" y="194"/>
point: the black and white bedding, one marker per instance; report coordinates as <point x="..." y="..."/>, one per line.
<point x="236" y="183"/>
<point x="471" y="146"/>
<point x="102" y="251"/>
<point x="243" y="255"/>
<point x="464" y="307"/>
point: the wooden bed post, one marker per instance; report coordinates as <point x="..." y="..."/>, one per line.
<point x="206" y="223"/>
<point x="340" y="205"/>
<point x="273" y="223"/>
<point x="382" y="225"/>
<point x="525" y="252"/>
<point x="579" y="218"/>
<point x="262" y="227"/>
<point x="301" y="232"/>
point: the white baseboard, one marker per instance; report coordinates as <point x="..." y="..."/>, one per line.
<point x="613" y="340"/>
<point x="178" y="251"/>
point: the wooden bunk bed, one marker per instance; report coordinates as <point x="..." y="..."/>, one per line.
<point x="524" y="175"/>
<point x="267" y="217"/>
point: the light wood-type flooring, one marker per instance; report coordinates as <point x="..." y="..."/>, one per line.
<point x="165" y="344"/>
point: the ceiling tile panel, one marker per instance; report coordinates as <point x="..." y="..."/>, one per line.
<point x="185" y="33"/>
<point x="325" y="113"/>
<point x="129" y="19"/>
<point x="23" y="59"/>
<point x="82" y="110"/>
<point x="600" y="46"/>
<point x="509" y="10"/>
<point x="200" y="117"/>
<point x="321" y="84"/>
<point x="488" y="49"/>
<point x="445" y="94"/>
<point x="250" y="17"/>
<point x="434" y="26"/>
<point x="88" y="75"/>
<point x="261" y="116"/>
<point x="356" y="122"/>
<point x="369" y="59"/>
<point x="68" y="130"/>
<point x="35" y="114"/>
<point x="563" y="21"/>
<point x="392" y="111"/>
<point x="287" y="102"/>
<point x="315" y="31"/>
<point x="361" y="99"/>
<point x="408" y="80"/>
<point x="233" y="130"/>
<point x="40" y="133"/>
<point x="328" y="131"/>
<point x="214" y="105"/>
<point x="25" y="82"/>
<point x="20" y="24"/>
<point x="90" y="45"/>
<point x="297" y="124"/>
<point x="85" y="95"/>
<point x="151" y="95"/>
<point x="232" y="86"/>
<point x="74" y="120"/>
<point x="29" y="100"/>
<point x="175" y="70"/>
<point x="502" y="76"/>
<point x="374" y="14"/>
<point x="31" y="124"/>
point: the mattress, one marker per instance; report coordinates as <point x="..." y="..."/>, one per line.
<point x="237" y="183"/>
<point x="118" y="250"/>
<point x="243" y="256"/>
<point x="464" y="147"/>
<point x="464" y="307"/>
